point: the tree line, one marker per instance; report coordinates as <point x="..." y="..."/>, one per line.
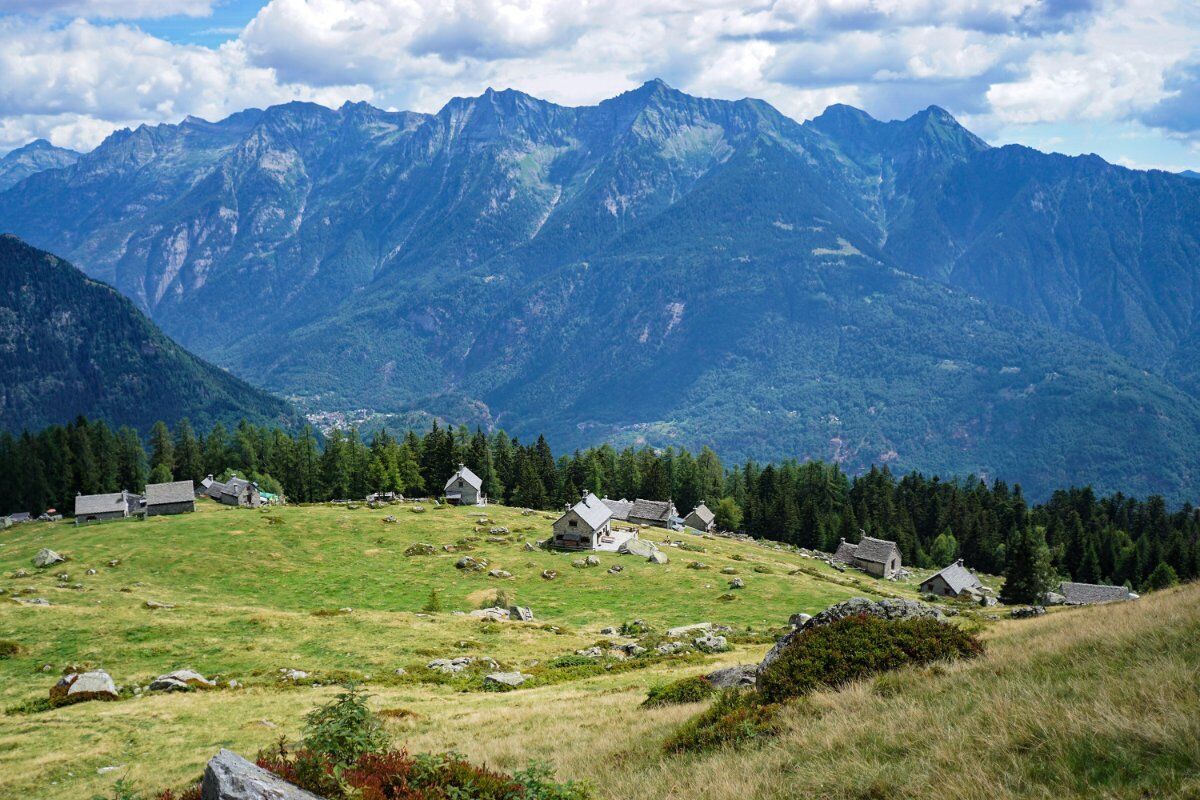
<point x="1074" y="535"/>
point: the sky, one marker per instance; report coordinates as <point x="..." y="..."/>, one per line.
<point x="1120" y="78"/>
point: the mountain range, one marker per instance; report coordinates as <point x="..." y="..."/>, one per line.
<point x="38" y="155"/>
<point x="668" y="269"/>
<point x="71" y="346"/>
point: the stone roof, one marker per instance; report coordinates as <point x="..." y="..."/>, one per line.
<point x="100" y="503"/>
<point x="174" y="492"/>
<point x="845" y="552"/>
<point x="703" y="514"/>
<point x="877" y="551"/>
<point x="465" y="473"/>
<point x="593" y="511"/>
<point x="1086" y="593"/>
<point x="619" y="508"/>
<point x="656" y="510"/>
<point x="957" y="577"/>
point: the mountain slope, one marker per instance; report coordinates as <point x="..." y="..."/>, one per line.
<point x="36" y="156"/>
<point x="666" y="268"/>
<point x="71" y="346"/>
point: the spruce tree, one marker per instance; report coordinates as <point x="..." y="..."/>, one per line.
<point x="1027" y="574"/>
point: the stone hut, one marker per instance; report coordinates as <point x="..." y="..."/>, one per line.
<point x="701" y="519"/>
<point x="620" y="508"/>
<point x="177" y="497"/>
<point x="235" y="492"/>
<point x="582" y="525"/>
<point x="953" y="581"/>
<point x="90" y="508"/>
<point x="465" y="488"/>
<point x="877" y="557"/>
<point x="657" y="513"/>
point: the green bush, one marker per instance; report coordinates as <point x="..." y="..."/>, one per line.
<point x="736" y="719"/>
<point x="856" y="647"/>
<point x="572" y="660"/>
<point x="344" y="729"/>
<point x="685" y="690"/>
<point x="692" y="548"/>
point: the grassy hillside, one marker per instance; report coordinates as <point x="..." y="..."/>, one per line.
<point x="259" y="591"/>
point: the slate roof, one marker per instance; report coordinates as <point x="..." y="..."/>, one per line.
<point x="703" y="514"/>
<point x="845" y="552"/>
<point x="21" y="516"/>
<point x="619" y="508"/>
<point x="174" y="492"/>
<point x="100" y="504"/>
<point x="593" y="511"/>
<point x="1086" y="593"/>
<point x="957" y="577"/>
<point x="877" y="551"/>
<point x="656" y="510"/>
<point x="215" y="490"/>
<point x="465" y="473"/>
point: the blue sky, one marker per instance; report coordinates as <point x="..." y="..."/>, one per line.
<point x="1120" y="78"/>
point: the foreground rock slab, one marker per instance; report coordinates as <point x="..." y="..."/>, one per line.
<point x="228" y="776"/>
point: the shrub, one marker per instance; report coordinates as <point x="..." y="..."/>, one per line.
<point x="572" y="660"/>
<point x="855" y="647"/>
<point x="692" y="548"/>
<point x="497" y="600"/>
<point x="9" y="648"/>
<point x="685" y="690"/>
<point x="737" y="718"/>
<point x="122" y="790"/>
<point x="635" y="628"/>
<point x="433" y="605"/>
<point x="344" y="729"/>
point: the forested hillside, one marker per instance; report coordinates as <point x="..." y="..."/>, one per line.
<point x="70" y="345"/>
<point x="667" y="269"/>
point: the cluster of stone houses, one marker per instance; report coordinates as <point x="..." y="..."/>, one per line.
<point x="587" y="525"/>
<point x="176" y="497"/>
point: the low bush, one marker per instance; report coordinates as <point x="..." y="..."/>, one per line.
<point x="692" y="548"/>
<point x="572" y="660"/>
<point x="685" y="690"/>
<point x="9" y="648"/>
<point x="736" y="719"/>
<point x="856" y="647"/>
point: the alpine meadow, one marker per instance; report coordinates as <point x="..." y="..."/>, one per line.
<point x="496" y="400"/>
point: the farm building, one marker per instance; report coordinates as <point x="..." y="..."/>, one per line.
<point x="701" y="519"/>
<point x="878" y="557"/>
<point x="620" y="508"/>
<point x="953" y="581"/>
<point x="582" y="525"/>
<point x="178" y="497"/>
<point x="1085" y="594"/>
<point x="19" y="517"/>
<point x="465" y="488"/>
<point x="234" y="492"/>
<point x="658" y="513"/>
<point x="91" y="508"/>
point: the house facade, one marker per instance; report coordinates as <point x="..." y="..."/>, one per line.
<point x="657" y="513"/>
<point x="877" y="557"/>
<point x="465" y="488"/>
<point x="177" y="497"/>
<point x="701" y="519"/>
<point x="92" y="508"/>
<point x="953" y="581"/>
<point x="581" y="526"/>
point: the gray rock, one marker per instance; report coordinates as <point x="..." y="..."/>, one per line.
<point x="419" y="549"/>
<point x="631" y="649"/>
<point x="549" y="574"/>
<point x="181" y="680"/>
<point x="451" y="666"/>
<point x="228" y="776"/>
<point x="590" y="652"/>
<point x="685" y="630"/>
<point x="1026" y="612"/>
<point x="500" y="573"/>
<point x="153" y="604"/>
<point x="658" y="557"/>
<point x="293" y="674"/>
<point x="494" y="613"/>
<point x="1053" y="599"/>
<point x="733" y="677"/>
<point x="504" y="680"/>
<point x="78" y="687"/>
<point x="711" y="644"/>
<point x="637" y="547"/>
<point x="528" y="547"/>
<point x="615" y="568"/>
<point x="855" y="606"/>
<point x="474" y="564"/>
<point x="47" y="557"/>
<point x="737" y="583"/>
<point x="799" y="620"/>
<point x="591" y="561"/>
<point x="520" y="613"/>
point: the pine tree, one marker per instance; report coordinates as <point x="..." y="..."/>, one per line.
<point x="189" y="459"/>
<point x="1163" y="577"/>
<point x="1027" y="574"/>
<point x="162" y="451"/>
<point x="131" y="461"/>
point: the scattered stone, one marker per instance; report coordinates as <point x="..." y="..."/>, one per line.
<point x="1026" y="612"/>
<point x="610" y="631"/>
<point x="591" y="561"/>
<point x="419" y="549"/>
<point x="64" y="577"/>
<point x="80" y="686"/>
<point x="181" y="680"/>
<point x="21" y="573"/>
<point x="90" y="572"/>
<point x="390" y="518"/>
<point x="637" y="547"/>
<point x="36" y="601"/>
<point x="528" y="547"/>
<point x="114" y="562"/>
<point x="155" y="604"/>
<point x="228" y="776"/>
<point x="498" y="531"/>
<point x="799" y="620"/>
<point x="233" y="683"/>
<point x="615" y="568"/>
<point x="500" y="573"/>
<point x="1053" y="599"/>
<point x="504" y="680"/>
<point x="47" y="557"/>
<point x="106" y="770"/>
<point x="658" y="557"/>
<point x="711" y="643"/>
<point x="495" y="613"/>
<point x="737" y="583"/>
<point x="549" y="574"/>
<point x="473" y="564"/>
<point x="451" y="666"/>
<point x="590" y="652"/>
<point x="686" y="630"/>
<point x="631" y="649"/>
<point x="399" y="672"/>
<point x="697" y="565"/>
<point x="293" y="674"/>
<point x="520" y="613"/>
<point x="667" y="648"/>
<point x="733" y="677"/>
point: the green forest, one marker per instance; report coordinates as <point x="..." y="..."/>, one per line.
<point x="1074" y="535"/>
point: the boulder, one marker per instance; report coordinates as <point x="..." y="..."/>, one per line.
<point x="47" y="557"/>
<point x="451" y="666"/>
<point x="228" y="776"/>
<point x="495" y="613"/>
<point x="658" y="557"/>
<point x="181" y="680"/>
<point x="504" y="680"/>
<point x="500" y="573"/>
<point x="293" y="674"/>
<point x="549" y="574"/>
<point x="737" y="583"/>
<point x="474" y="564"/>
<point x="520" y="613"/>
<point x="78" y="687"/>
<point x="733" y="677"/>
<point x="1053" y="599"/>
<point x="855" y="606"/>
<point x="419" y="549"/>
<point x="631" y="649"/>
<point x="1026" y="612"/>
<point x="637" y="547"/>
<point x="591" y="561"/>
<point x="710" y="643"/>
<point x="615" y="568"/>
<point x="154" y="604"/>
<point x="528" y="547"/>
<point x="728" y="571"/>
<point x="799" y="620"/>
<point x="590" y="652"/>
<point x="685" y="630"/>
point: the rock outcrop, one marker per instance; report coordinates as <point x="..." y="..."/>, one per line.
<point x="228" y="776"/>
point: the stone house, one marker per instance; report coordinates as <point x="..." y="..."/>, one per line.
<point x="657" y="513"/>
<point x="701" y="519"/>
<point x="1085" y="594"/>
<point x="177" y="497"/>
<point x="90" y="508"/>
<point x="465" y="488"/>
<point x="581" y="526"/>
<point x="234" y="492"/>
<point x="620" y="508"/>
<point x="953" y="581"/>
<point x="877" y="557"/>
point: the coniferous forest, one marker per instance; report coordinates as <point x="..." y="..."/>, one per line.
<point x="1074" y="534"/>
